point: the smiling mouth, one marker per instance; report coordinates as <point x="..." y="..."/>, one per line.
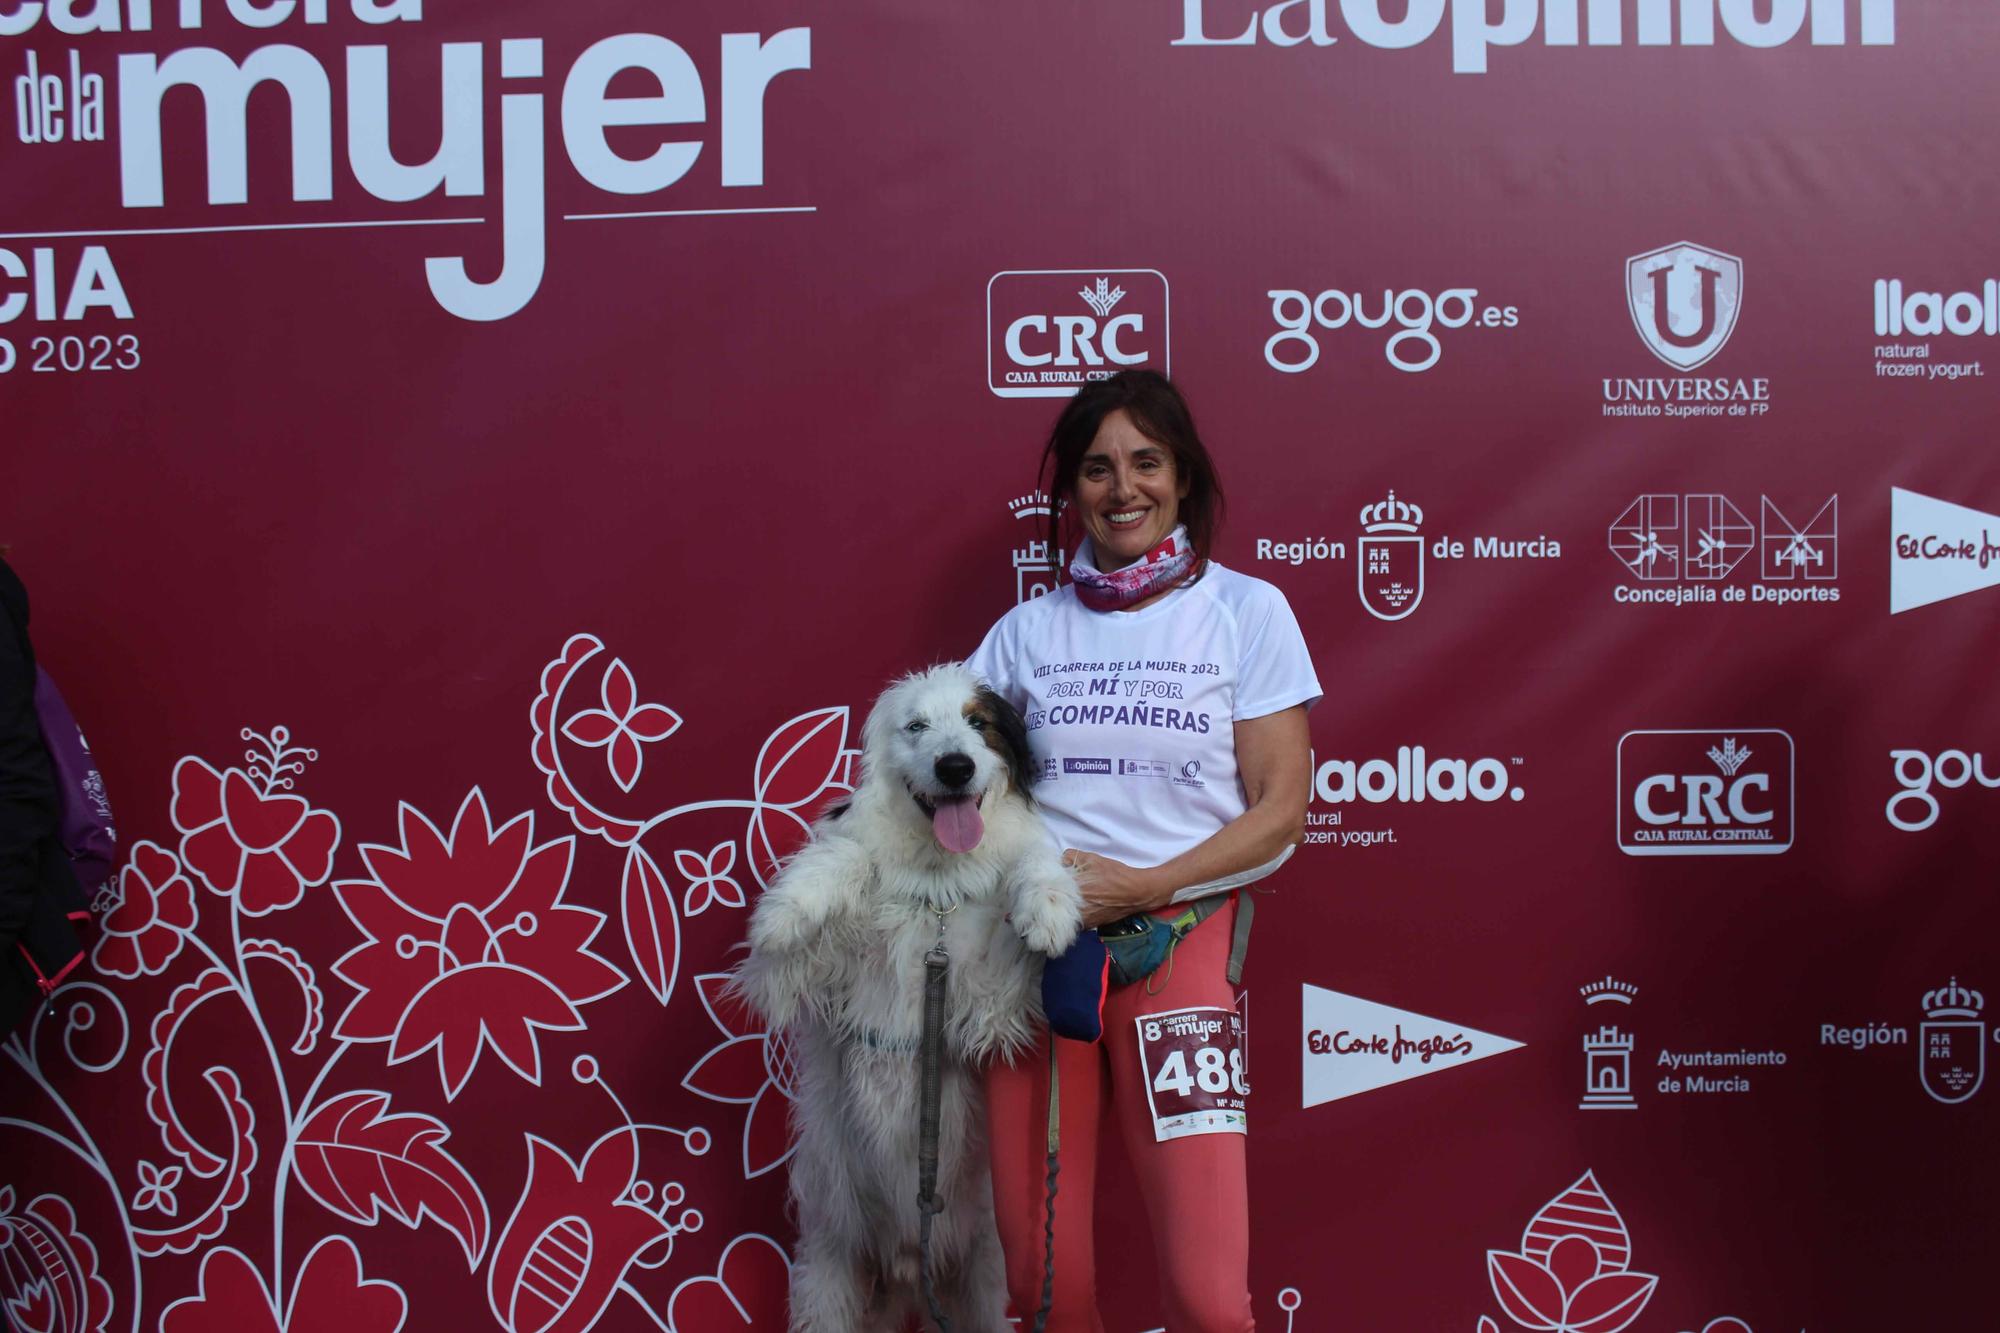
<point x="1125" y="518"/>
<point x="955" y="820"/>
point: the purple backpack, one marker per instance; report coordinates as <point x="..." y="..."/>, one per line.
<point x="85" y="829"/>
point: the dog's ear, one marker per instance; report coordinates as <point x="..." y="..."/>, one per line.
<point x="1007" y="736"/>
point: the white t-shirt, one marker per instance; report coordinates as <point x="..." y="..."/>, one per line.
<point x="1130" y="713"/>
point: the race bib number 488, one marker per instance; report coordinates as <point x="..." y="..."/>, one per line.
<point x="1193" y="1064"/>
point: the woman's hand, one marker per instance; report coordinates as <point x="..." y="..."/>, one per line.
<point x="1111" y="889"/>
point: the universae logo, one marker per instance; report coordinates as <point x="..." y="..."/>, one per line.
<point x="1051" y="331"/>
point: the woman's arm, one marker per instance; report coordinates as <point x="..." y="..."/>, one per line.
<point x="1273" y="759"/>
<point x="27" y="792"/>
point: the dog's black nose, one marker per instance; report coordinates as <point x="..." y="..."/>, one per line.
<point x="954" y="770"/>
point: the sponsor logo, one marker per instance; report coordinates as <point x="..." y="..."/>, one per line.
<point x="1087" y="766"/>
<point x="1474" y="30"/>
<point x="1607" y="1052"/>
<point x="1939" y="550"/>
<point x="1413" y="776"/>
<point x="1684" y="300"/>
<point x="1913" y="808"/>
<point x="1900" y="314"/>
<point x="1050" y="331"/>
<point x="1413" y="347"/>
<point x="1686" y="550"/>
<point x="1051" y="769"/>
<point x="1144" y="768"/>
<point x="1951" y="1043"/>
<point x="1037" y="568"/>
<point x="1189" y="774"/>
<point x="1705" y="793"/>
<point x="1368" y="789"/>
<point x="1354" y="1045"/>
<point x="1390" y="573"/>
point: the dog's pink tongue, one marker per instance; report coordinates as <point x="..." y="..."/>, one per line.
<point x="957" y="823"/>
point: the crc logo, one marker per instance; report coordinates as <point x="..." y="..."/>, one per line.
<point x="1050" y="331"/>
<point x="1913" y="808"/>
<point x="1661" y="539"/>
<point x="1705" y="793"/>
<point x="1684" y="299"/>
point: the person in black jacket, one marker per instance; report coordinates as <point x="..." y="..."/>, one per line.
<point x="38" y="892"/>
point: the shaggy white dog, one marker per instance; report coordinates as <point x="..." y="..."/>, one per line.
<point x="940" y="831"/>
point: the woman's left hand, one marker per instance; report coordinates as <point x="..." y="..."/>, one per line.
<point x="1111" y="889"/>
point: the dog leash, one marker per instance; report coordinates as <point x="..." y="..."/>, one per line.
<point x="931" y="1095"/>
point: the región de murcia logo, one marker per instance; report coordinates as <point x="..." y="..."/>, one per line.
<point x="1391" y="569"/>
<point x="1952" y="1043"/>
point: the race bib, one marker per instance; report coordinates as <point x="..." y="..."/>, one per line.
<point x="1193" y="1064"/>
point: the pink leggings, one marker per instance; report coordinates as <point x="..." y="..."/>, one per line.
<point x="1193" y="1188"/>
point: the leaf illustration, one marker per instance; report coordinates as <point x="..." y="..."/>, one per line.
<point x="360" y="1161"/>
<point x="1527" y="1292"/>
<point x="1609" y="1303"/>
<point x="801" y="757"/>
<point x="652" y="929"/>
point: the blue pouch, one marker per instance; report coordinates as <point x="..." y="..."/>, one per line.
<point x="1073" y="988"/>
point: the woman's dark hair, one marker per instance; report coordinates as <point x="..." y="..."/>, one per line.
<point x="1156" y="407"/>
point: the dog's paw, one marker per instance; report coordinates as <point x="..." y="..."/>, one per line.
<point x="1048" y="915"/>
<point x="783" y="923"/>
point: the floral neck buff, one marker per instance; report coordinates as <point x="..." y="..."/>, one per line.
<point x="1156" y="571"/>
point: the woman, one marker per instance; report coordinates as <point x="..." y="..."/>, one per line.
<point x="1166" y="697"/>
<point x="39" y="897"/>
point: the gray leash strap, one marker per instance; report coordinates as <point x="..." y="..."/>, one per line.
<point x="931" y="1075"/>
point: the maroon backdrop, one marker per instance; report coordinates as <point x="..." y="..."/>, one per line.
<point x="462" y="642"/>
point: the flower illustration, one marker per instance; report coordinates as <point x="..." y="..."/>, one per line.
<point x="469" y="944"/>
<point x="752" y="1066"/>
<point x="151" y="914"/>
<point x="156" y="1189"/>
<point x="747" y="1290"/>
<point x="623" y="725"/>
<point x="575" y="1232"/>
<point x="245" y="834"/>
<point x="709" y="880"/>
<point x="1571" y="1273"/>
<point x="328" y="1296"/>
<point x="48" y="1269"/>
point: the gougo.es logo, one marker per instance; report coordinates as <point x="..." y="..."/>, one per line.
<point x="1914" y="807"/>
<point x="1415" y="313"/>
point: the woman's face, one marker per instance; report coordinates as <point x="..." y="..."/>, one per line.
<point x="1128" y="494"/>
